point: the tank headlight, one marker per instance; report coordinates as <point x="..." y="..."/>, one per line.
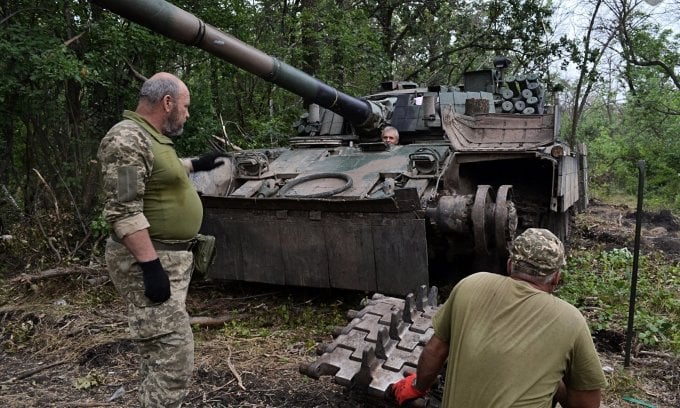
<point x="557" y="151"/>
<point x="425" y="164"/>
<point x="424" y="161"/>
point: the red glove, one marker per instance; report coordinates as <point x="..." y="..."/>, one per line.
<point x="404" y="390"/>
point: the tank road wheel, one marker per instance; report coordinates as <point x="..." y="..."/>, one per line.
<point x="505" y="219"/>
<point x="299" y="180"/>
<point x="483" y="220"/>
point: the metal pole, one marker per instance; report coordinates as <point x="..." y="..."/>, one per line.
<point x="636" y="253"/>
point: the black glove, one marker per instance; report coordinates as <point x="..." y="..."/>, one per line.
<point x="207" y="161"/>
<point x="156" y="281"/>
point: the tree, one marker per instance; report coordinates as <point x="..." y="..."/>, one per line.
<point x="438" y="40"/>
<point x="627" y="75"/>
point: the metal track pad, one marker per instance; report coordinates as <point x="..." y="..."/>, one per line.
<point x="381" y="342"/>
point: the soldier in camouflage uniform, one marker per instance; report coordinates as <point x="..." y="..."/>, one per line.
<point x="154" y="213"/>
<point x="509" y="342"/>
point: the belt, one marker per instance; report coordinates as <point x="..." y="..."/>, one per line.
<point x="166" y="246"/>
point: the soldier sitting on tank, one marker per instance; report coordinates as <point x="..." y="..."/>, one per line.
<point x="390" y="135"/>
<point x="509" y="342"/>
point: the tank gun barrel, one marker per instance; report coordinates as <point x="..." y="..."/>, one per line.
<point x="184" y="27"/>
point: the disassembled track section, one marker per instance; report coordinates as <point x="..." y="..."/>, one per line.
<point x="381" y="341"/>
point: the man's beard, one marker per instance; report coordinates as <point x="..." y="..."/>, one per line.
<point x="172" y="126"/>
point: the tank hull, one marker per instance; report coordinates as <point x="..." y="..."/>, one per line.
<point x="339" y="244"/>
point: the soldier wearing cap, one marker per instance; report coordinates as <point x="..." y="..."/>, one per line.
<point x="509" y="342"/>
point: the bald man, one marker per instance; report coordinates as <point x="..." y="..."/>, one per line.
<point x="154" y="213"/>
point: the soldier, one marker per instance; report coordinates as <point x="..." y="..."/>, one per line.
<point x="154" y="213"/>
<point x="390" y="135"/>
<point x="508" y="341"/>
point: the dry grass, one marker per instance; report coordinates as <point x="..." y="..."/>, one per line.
<point x="83" y="329"/>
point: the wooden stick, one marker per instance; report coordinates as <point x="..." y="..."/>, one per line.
<point x="51" y="273"/>
<point x="205" y="394"/>
<point x="33" y="371"/>
<point x="213" y="321"/>
<point x="233" y="370"/>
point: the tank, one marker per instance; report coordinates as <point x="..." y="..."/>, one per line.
<point x="476" y="164"/>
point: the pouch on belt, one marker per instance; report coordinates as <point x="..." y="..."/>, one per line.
<point x="204" y="253"/>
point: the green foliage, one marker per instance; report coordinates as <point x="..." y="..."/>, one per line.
<point x="99" y="227"/>
<point x="90" y="380"/>
<point x="15" y="334"/>
<point x="598" y="282"/>
<point x="632" y="112"/>
<point x="312" y="320"/>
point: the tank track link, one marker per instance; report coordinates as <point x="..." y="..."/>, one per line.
<point x="381" y="342"/>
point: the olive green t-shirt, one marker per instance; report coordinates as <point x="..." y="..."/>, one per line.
<point x="510" y="344"/>
<point x="141" y="173"/>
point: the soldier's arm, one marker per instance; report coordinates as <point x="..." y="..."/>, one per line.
<point x="570" y="398"/>
<point x="583" y="381"/>
<point x="126" y="158"/>
<point x="431" y="361"/>
<point x="139" y="244"/>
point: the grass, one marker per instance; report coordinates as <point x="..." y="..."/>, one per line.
<point x="599" y="283"/>
<point x="302" y="322"/>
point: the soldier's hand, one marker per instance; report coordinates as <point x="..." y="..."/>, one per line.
<point x="404" y="390"/>
<point x="208" y="161"/>
<point x="156" y="281"/>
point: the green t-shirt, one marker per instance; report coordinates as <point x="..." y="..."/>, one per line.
<point x="142" y="174"/>
<point x="510" y="344"/>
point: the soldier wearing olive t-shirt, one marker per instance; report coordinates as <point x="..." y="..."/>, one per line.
<point x="509" y="342"/>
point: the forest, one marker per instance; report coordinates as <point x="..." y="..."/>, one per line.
<point x="70" y="68"/>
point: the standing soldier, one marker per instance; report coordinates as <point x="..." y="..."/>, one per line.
<point x="154" y="213"/>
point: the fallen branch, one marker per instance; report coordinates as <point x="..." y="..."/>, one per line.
<point x="52" y="273"/>
<point x="213" y="321"/>
<point x="227" y="143"/>
<point x="258" y="295"/>
<point x="655" y="354"/>
<point x="33" y="371"/>
<point x="70" y="40"/>
<point x="226" y="140"/>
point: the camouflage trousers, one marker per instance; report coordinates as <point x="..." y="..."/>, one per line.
<point x="162" y="331"/>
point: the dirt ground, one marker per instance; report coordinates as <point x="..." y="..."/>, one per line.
<point x="65" y="342"/>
